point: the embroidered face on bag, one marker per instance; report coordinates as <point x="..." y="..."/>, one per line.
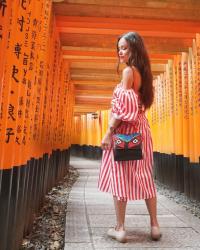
<point x="136" y="140"/>
<point x="120" y="143"/>
<point x="127" y="141"/>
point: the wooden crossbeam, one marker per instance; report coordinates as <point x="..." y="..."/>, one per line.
<point x="93" y="56"/>
<point x="153" y="44"/>
<point x="80" y="109"/>
<point x="102" y="52"/>
<point x="143" y="33"/>
<point x="152" y="11"/>
<point x="143" y="24"/>
<point x="103" y="100"/>
<point x="92" y="82"/>
<point x="145" y="4"/>
<point x="89" y="67"/>
<point x="93" y="92"/>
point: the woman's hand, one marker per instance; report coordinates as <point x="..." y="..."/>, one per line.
<point x="106" y="142"/>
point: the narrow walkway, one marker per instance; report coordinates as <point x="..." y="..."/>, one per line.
<point x="90" y="213"/>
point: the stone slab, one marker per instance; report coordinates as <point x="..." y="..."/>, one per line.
<point x="148" y="248"/>
<point x="130" y="210"/>
<point x="105" y="220"/>
<point x="76" y="228"/>
<point x="139" y="238"/>
<point x="76" y="233"/>
<point x="109" y="221"/>
<point x="78" y="246"/>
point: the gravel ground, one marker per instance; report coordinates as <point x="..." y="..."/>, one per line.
<point x="191" y="205"/>
<point x="48" y="230"/>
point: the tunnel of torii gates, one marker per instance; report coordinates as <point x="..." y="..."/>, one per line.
<point x="58" y="70"/>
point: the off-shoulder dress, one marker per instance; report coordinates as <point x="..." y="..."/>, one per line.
<point x="128" y="180"/>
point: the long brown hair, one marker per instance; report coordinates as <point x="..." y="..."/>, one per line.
<point x="139" y="58"/>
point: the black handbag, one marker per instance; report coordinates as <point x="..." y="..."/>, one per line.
<point x="127" y="147"/>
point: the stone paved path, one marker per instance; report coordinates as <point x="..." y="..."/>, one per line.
<point x="90" y="213"/>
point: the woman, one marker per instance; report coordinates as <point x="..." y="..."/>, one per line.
<point x="130" y="180"/>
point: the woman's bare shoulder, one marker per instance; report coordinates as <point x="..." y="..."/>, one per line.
<point x="127" y="70"/>
<point x="127" y="77"/>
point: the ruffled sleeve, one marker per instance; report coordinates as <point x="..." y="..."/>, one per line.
<point x="125" y="105"/>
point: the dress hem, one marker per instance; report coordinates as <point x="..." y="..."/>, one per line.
<point x="128" y="199"/>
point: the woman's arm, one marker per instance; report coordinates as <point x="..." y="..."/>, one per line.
<point x="113" y="124"/>
<point x="127" y="79"/>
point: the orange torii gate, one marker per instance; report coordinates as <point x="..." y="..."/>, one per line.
<point x="57" y="74"/>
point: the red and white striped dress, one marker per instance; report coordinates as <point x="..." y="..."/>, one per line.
<point x="128" y="180"/>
